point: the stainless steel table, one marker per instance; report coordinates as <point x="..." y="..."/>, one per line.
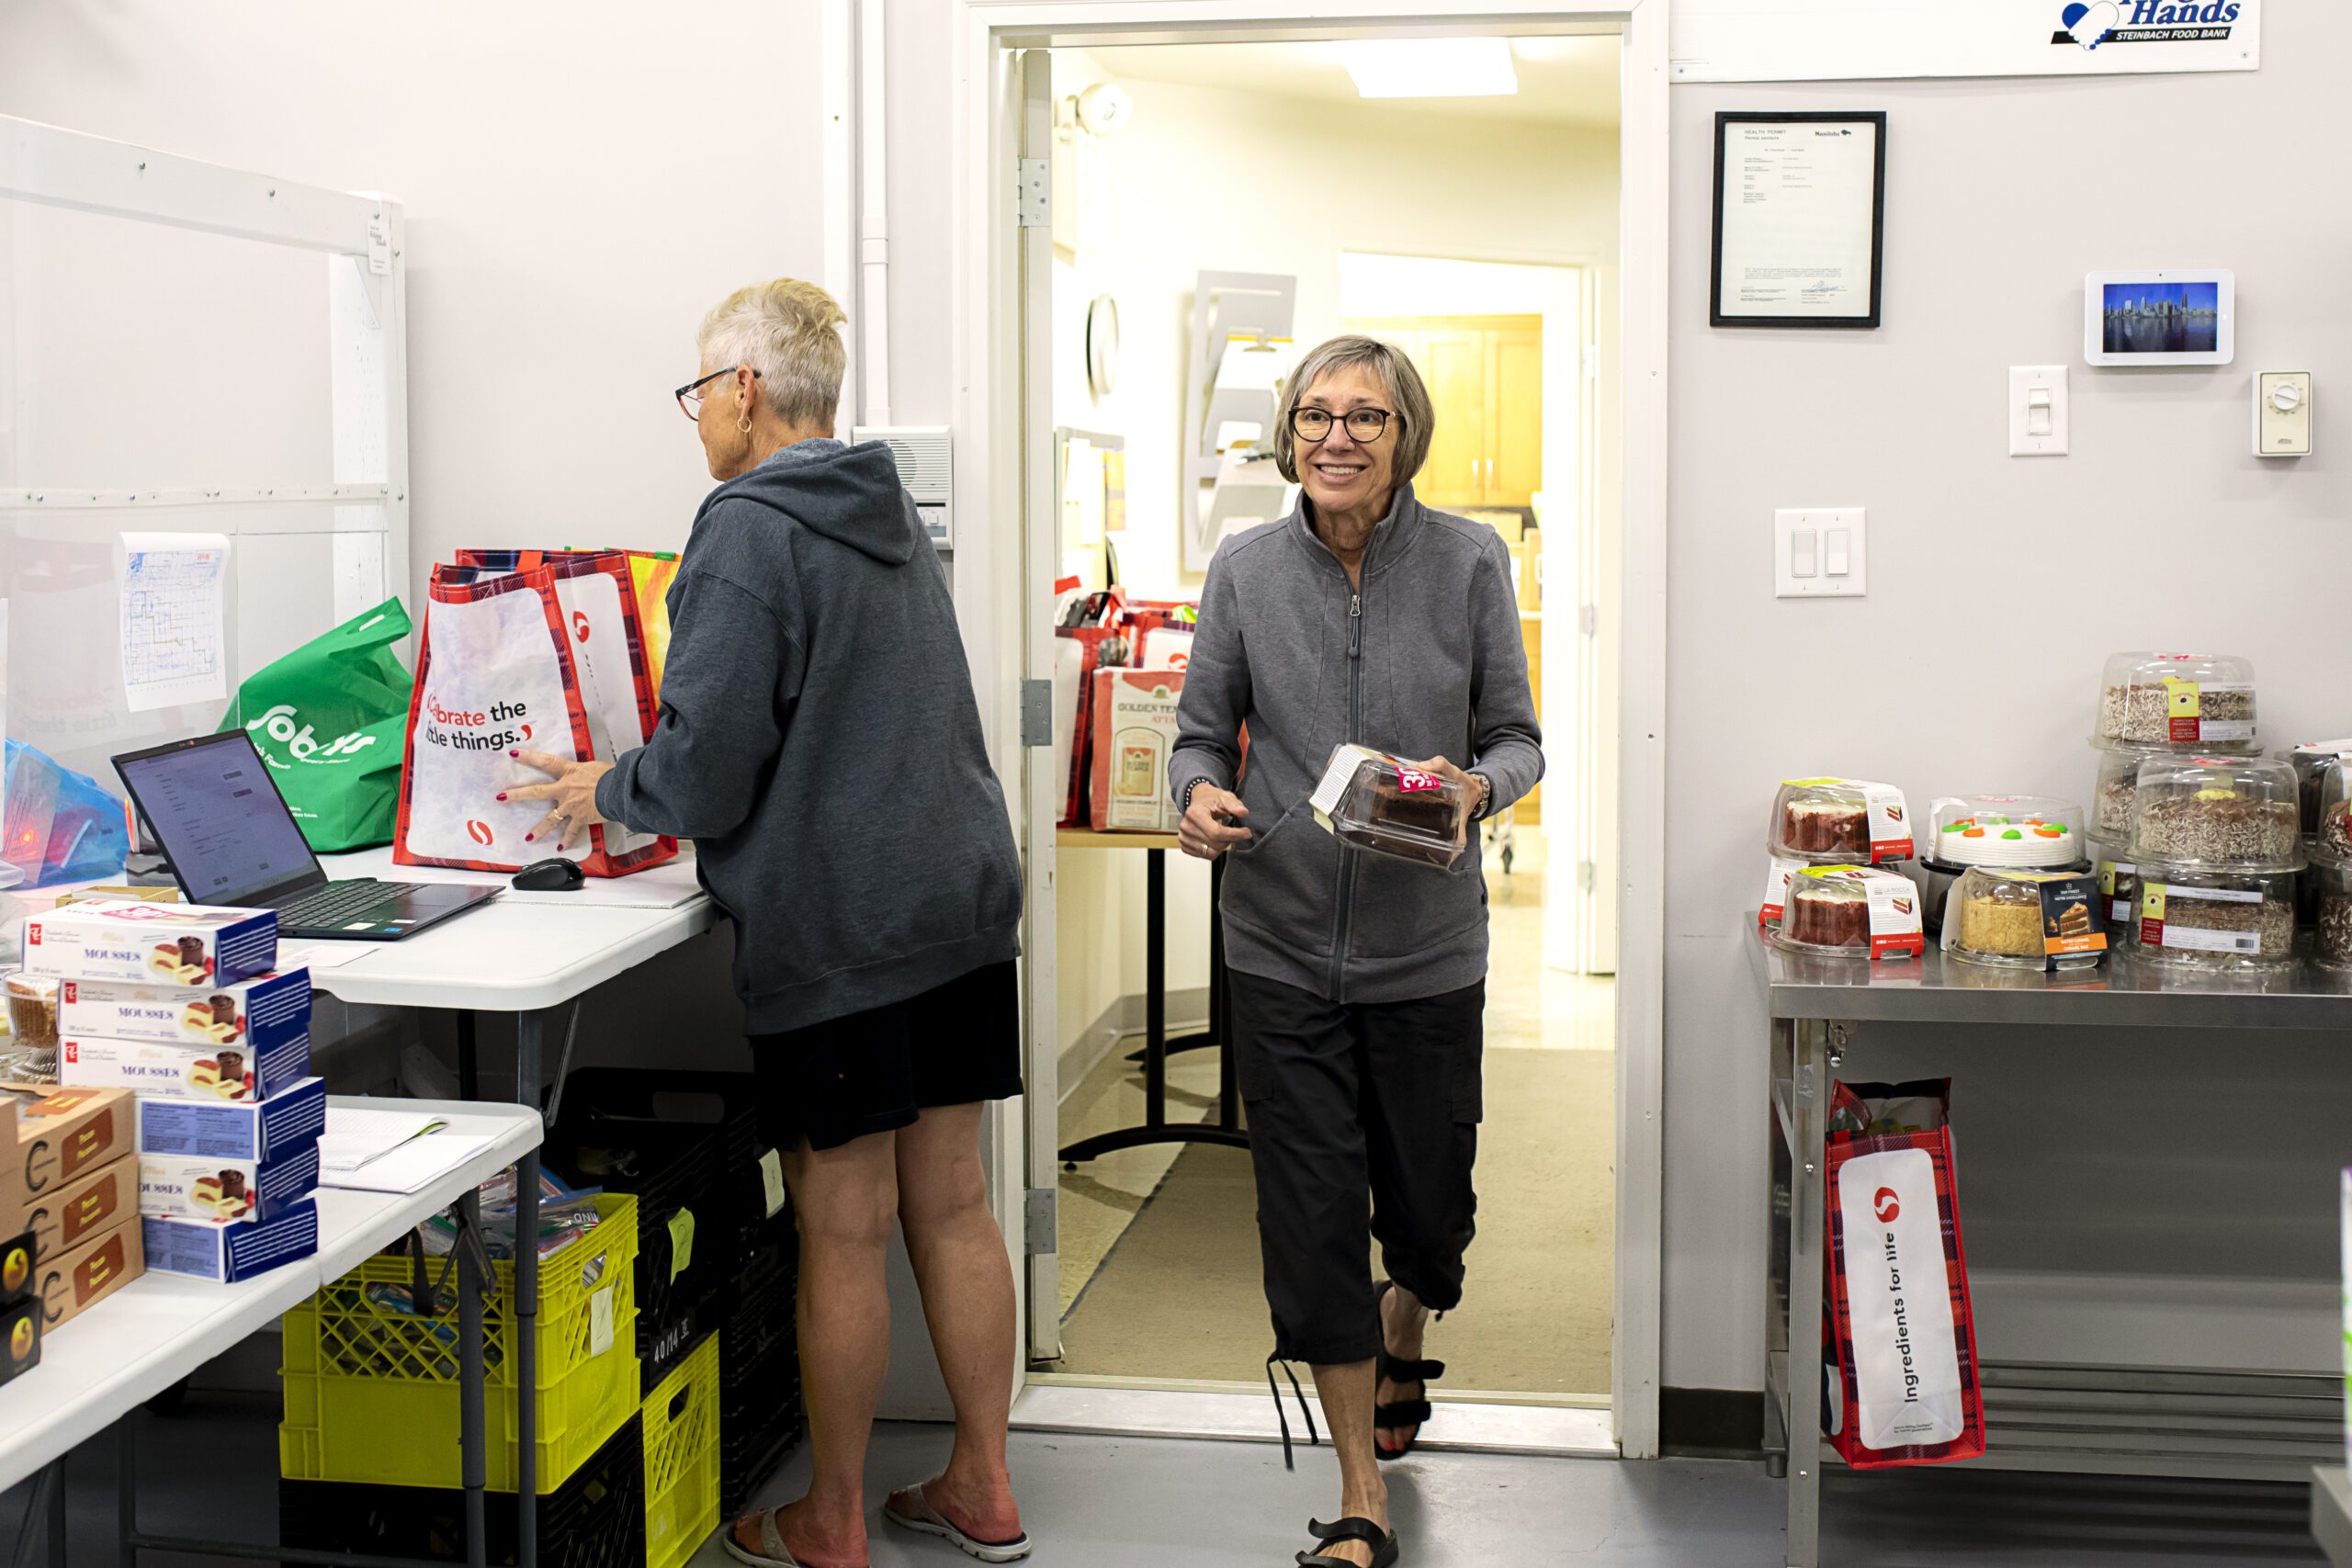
<point x="2096" y="1419"/>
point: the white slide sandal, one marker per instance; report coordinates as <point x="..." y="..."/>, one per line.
<point x="910" y="1509"/>
<point x="776" y="1554"/>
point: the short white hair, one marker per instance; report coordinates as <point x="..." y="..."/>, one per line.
<point x="790" y="331"/>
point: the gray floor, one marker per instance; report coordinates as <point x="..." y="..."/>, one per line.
<point x="1092" y="1503"/>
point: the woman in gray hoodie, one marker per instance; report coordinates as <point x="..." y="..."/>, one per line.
<point x="821" y="743"/>
<point x="1358" y="981"/>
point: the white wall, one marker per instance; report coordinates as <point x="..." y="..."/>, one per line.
<point x="1997" y="586"/>
<point x="581" y="182"/>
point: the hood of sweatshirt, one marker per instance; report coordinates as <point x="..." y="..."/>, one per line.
<point x="849" y="495"/>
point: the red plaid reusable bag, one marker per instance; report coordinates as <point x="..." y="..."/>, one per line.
<point x="1899" y="1335"/>
<point x="549" y="659"/>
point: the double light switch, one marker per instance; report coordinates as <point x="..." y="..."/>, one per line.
<point x="1819" y="552"/>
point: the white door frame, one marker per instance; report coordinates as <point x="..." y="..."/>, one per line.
<point x="985" y="356"/>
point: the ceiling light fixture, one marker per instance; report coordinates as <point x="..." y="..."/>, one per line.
<point x="1431" y="67"/>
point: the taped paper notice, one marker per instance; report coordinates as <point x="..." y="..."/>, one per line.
<point x="682" y="1243"/>
<point x="600" y="1322"/>
<point x="772" y="1181"/>
<point x="173" y="637"/>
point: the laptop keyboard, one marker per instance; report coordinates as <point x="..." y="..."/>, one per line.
<point x="337" y="902"/>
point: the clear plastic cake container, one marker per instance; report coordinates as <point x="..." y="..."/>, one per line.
<point x="2203" y="700"/>
<point x="1374" y="802"/>
<point x="2003" y="917"/>
<point x="2332" y="819"/>
<point x="2217" y="814"/>
<point x="2329" y="888"/>
<point x="2213" y="919"/>
<point x="2117" y="788"/>
<point x="1826" y="821"/>
<point x="2008" y="831"/>
<point x="2308" y="759"/>
<point x="1852" y="912"/>
<point x="2118" y="880"/>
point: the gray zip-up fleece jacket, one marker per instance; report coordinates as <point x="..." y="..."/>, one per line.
<point x="1425" y="661"/>
<point x="820" y="742"/>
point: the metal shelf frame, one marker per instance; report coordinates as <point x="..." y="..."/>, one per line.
<point x="2113" y="1420"/>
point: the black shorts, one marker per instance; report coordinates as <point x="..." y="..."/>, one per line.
<point x="876" y="1070"/>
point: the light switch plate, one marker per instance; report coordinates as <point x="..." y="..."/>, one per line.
<point x="2282" y="431"/>
<point x="2047" y="437"/>
<point x="1815" y="525"/>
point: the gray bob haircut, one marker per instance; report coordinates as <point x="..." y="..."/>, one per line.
<point x="1397" y="374"/>
<point x="788" y="330"/>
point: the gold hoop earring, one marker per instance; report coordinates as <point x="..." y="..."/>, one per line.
<point x="744" y="425"/>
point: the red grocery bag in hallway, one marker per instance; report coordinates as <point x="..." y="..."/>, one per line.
<point x="546" y="660"/>
<point x="1900" y="1339"/>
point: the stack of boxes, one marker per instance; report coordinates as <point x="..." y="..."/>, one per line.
<point x="179" y="1006"/>
<point x="69" y="1210"/>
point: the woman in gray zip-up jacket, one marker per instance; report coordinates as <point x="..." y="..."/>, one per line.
<point x="1358" y="981"/>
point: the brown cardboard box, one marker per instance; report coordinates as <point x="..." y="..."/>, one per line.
<point x="61" y="1133"/>
<point x="72" y="1282"/>
<point x="74" y="1212"/>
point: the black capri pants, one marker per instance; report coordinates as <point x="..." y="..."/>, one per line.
<point x="1363" y="1125"/>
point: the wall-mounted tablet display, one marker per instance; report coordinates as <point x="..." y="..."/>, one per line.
<point x="2159" y="316"/>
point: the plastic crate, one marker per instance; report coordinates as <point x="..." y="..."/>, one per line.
<point x="372" y="1390"/>
<point x="608" y="1103"/>
<point x="681" y="1424"/>
<point x="760" y="1415"/>
<point x="597" y="1519"/>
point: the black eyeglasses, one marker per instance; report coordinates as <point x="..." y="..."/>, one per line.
<point x="1314" y="425"/>
<point x="690" y="395"/>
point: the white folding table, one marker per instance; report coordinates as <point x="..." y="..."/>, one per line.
<point x="521" y="953"/>
<point x="156" y="1330"/>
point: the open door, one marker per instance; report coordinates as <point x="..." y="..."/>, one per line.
<point x="1040" y="559"/>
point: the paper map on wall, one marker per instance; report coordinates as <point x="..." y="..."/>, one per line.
<point x="175" y="644"/>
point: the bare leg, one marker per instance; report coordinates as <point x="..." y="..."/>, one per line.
<point x="845" y="1200"/>
<point x="966" y="1279"/>
<point x="1346" y="1394"/>
<point x="1403" y="1321"/>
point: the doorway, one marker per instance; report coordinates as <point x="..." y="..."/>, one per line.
<point x="1003" y="264"/>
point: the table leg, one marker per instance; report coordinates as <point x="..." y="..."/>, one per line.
<point x="530" y="1036"/>
<point x="1220" y="1031"/>
<point x="1808" y="1209"/>
<point x="468" y="1065"/>
<point x="472" y="1462"/>
<point x="1155" y="992"/>
<point x="55" y="1502"/>
<point x="126" y="1493"/>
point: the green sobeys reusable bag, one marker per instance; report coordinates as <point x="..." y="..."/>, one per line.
<point x="331" y="719"/>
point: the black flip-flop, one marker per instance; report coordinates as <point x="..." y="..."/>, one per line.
<point x="1413" y="1413"/>
<point x="1385" y="1550"/>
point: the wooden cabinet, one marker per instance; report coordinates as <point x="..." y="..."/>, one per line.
<point x="1485" y="375"/>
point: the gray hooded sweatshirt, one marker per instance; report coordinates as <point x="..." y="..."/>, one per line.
<point x="820" y="742"/>
<point x="1424" y="662"/>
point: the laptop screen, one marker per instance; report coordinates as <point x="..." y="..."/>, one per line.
<point x="218" y="814"/>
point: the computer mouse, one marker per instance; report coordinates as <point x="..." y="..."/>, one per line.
<point x="550" y="876"/>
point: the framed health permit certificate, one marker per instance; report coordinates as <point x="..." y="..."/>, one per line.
<point x="1799" y="220"/>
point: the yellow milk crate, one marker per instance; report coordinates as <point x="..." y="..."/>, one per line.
<point x="371" y="1387"/>
<point x="681" y="1422"/>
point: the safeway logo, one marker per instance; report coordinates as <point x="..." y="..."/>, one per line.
<point x="479" y="833"/>
<point x="1885" y="1205"/>
<point x="580" y="625"/>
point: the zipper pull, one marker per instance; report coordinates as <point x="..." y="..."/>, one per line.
<point x="1355" y="621"/>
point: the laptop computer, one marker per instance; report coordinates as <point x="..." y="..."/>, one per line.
<point x="213" y="804"/>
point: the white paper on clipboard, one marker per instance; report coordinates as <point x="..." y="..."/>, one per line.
<point x="173" y="631"/>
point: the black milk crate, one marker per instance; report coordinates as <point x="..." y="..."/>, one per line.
<point x="638" y="1133"/>
<point x="607" y="1103"/>
<point x="595" y="1519"/>
<point x="760" y="1414"/>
